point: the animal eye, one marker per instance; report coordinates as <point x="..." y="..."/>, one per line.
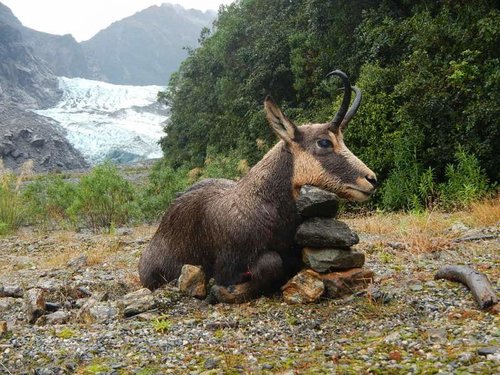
<point x="325" y="143"/>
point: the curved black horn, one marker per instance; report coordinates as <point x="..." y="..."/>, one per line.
<point x="339" y="116"/>
<point x="354" y="108"/>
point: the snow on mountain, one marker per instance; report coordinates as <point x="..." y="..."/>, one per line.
<point x="106" y="121"/>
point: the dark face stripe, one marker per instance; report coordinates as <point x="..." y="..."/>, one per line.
<point x="340" y="170"/>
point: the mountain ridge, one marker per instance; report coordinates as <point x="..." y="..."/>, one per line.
<point x="144" y="48"/>
<point x="148" y="46"/>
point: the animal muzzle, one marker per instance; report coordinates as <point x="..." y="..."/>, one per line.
<point x="363" y="188"/>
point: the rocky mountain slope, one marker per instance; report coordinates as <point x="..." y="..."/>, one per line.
<point x="25" y="136"/>
<point x="26" y="82"/>
<point x="63" y="54"/>
<point x="145" y="48"/>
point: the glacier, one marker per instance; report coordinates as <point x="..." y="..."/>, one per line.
<point x="105" y="121"/>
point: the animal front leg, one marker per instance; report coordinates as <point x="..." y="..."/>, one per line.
<point x="265" y="274"/>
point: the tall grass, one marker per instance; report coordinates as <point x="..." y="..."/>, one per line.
<point x="13" y="210"/>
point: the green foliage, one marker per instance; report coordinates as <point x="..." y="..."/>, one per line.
<point x="427" y="189"/>
<point x="12" y="207"/>
<point x="409" y="186"/>
<point x="443" y="78"/>
<point x="96" y="368"/>
<point x="161" y="324"/>
<point x="227" y="165"/>
<point x="104" y="199"/>
<point x="163" y="184"/>
<point x="49" y="198"/>
<point x="65" y="333"/>
<point x="429" y="71"/>
<point x="466" y="182"/>
<point x="401" y="188"/>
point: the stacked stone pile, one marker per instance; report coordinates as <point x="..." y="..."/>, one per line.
<point x="334" y="267"/>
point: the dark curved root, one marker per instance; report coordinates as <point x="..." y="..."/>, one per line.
<point x="476" y="281"/>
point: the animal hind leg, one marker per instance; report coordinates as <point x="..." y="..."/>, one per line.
<point x="266" y="274"/>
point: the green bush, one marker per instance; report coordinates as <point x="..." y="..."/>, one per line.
<point x="104" y="199"/>
<point x="13" y="211"/>
<point x="400" y="189"/>
<point x="427" y="189"/>
<point x="163" y="183"/>
<point x="409" y="186"/>
<point x="466" y="181"/>
<point x="49" y="198"/>
<point x="430" y="68"/>
<point x="229" y="165"/>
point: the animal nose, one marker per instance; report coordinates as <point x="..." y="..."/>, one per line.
<point x="372" y="179"/>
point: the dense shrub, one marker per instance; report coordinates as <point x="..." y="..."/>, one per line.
<point x="466" y="181"/>
<point x="163" y="184"/>
<point x="49" y="198"/>
<point x="227" y="165"/>
<point x="104" y="199"/>
<point x="429" y="71"/>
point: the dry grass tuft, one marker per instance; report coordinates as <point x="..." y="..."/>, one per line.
<point x="425" y="241"/>
<point x="485" y="213"/>
<point x="376" y="224"/>
<point x="144" y="230"/>
<point x="61" y="258"/>
<point x="424" y="233"/>
<point x="100" y="251"/>
<point x="103" y="252"/>
<point x="421" y="233"/>
<point x="482" y="213"/>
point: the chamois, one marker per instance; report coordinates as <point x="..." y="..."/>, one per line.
<point x="242" y="232"/>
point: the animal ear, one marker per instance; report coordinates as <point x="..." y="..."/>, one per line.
<point x="281" y="125"/>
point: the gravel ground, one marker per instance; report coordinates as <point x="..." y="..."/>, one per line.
<point x="406" y="323"/>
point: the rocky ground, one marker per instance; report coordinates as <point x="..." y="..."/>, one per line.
<point x="406" y="322"/>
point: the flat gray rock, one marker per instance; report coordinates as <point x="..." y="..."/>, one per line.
<point x="324" y="260"/>
<point x="325" y="233"/>
<point x="58" y="317"/>
<point x="137" y="302"/>
<point x="14" y="291"/>
<point x="317" y="202"/>
<point x="103" y="312"/>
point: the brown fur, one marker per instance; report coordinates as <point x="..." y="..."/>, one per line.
<point x="230" y="228"/>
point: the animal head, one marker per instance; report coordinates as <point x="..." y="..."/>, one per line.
<point x="320" y="156"/>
